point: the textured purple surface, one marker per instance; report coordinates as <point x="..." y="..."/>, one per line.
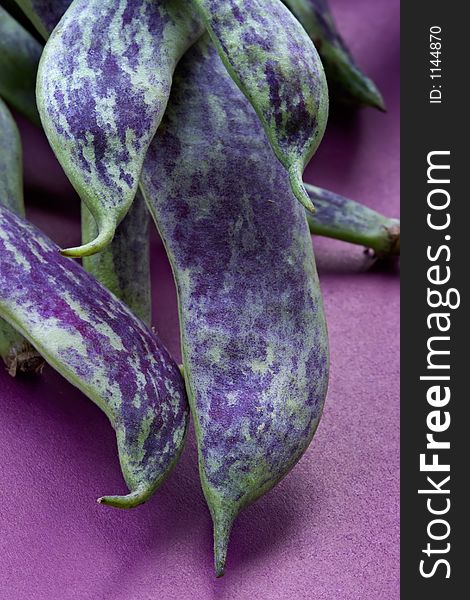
<point x="329" y="531"/>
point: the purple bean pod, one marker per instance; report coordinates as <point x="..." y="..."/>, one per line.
<point x="93" y="340"/>
<point x="254" y="340"/>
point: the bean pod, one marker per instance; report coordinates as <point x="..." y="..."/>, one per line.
<point x="272" y="60"/>
<point x="98" y="345"/>
<point x="347" y="82"/>
<point x="253" y="332"/>
<point x="103" y="84"/>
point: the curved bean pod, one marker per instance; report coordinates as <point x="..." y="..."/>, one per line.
<point x="96" y="343"/>
<point x="16" y="352"/>
<point x="124" y="266"/>
<point x="343" y="219"/>
<point x="103" y="84"/>
<point x="274" y="63"/>
<point x="254" y="339"/>
<point x="347" y="82"/>
<point x="19" y="59"/>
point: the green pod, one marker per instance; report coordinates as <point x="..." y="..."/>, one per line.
<point x="346" y="81"/>
<point x="124" y="266"/>
<point x="271" y="58"/>
<point x="17" y="353"/>
<point x="103" y="84"/>
<point x="343" y="219"/>
<point x="19" y="59"/>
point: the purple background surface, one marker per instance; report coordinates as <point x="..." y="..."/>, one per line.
<point x="330" y="530"/>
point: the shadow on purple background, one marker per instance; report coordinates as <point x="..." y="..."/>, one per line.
<point x="330" y="530"/>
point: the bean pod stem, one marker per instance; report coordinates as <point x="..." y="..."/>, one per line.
<point x="343" y="219"/>
<point x="124" y="266"/>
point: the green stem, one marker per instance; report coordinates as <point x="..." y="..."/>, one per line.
<point x="343" y="219"/>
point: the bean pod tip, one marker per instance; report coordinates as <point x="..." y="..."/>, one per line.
<point x="134" y="498"/>
<point x="103" y="239"/>
<point x="298" y="188"/>
<point x="223" y="521"/>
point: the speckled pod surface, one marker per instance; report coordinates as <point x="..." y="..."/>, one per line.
<point x="343" y="219"/>
<point x="19" y="59"/>
<point x="124" y="266"/>
<point x="347" y="82"/>
<point x="16" y="352"/>
<point x="103" y="84"/>
<point x="97" y="344"/>
<point x="254" y="338"/>
<point x="272" y="60"/>
<point x="44" y="14"/>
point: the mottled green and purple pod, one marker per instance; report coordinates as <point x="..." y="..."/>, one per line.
<point x="274" y="63"/>
<point x="19" y="59"/>
<point x="346" y="80"/>
<point x="93" y="340"/>
<point x="343" y="219"/>
<point x="103" y="85"/>
<point x="253" y="332"/>
<point x="124" y="266"/>
<point x="15" y="351"/>
<point x="44" y="14"/>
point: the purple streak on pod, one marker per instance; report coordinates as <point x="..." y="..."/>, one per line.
<point x="254" y="338"/>
<point x="103" y="84"/>
<point x="96" y="343"/>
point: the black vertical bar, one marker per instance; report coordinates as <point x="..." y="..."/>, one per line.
<point x="434" y="127"/>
